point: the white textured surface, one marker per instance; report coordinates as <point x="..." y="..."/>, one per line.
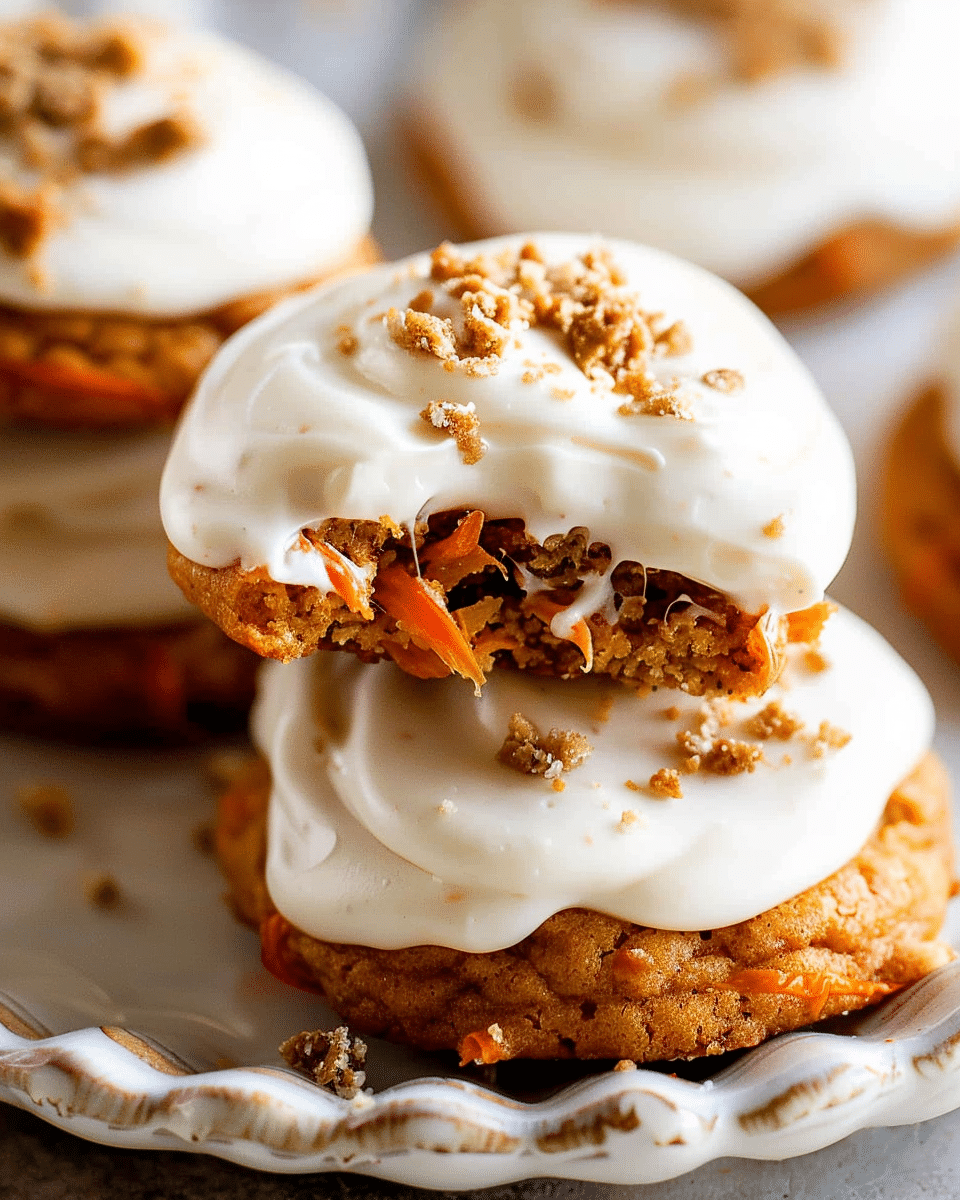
<point x="743" y="182"/>
<point x="385" y="831"/>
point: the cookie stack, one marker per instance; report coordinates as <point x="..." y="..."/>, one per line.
<point x="159" y="189"/>
<point x="601" y="773"/>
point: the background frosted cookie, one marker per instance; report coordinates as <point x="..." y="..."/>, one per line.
<point x="94" y="638"/>
<point x="921" y="509"/>
<point x="639" y="882"/>
<point x="804" y="151"/>
<point x="547" y="453"/>
<point x="160" y="188"/>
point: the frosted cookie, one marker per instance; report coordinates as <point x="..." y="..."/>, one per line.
<point x="572" y="870"/>
<point x="803" y="151"/>
<point x="95" y="640"/>
<point x="159" y="188"/>
<point x="544" y="453"/>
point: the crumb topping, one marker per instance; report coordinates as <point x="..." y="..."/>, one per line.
<point x="528" y="751"/>
<point x="334" y="1060"/>
<point x="774" y="722"/>
<point x="665" y="784"/>
<point x="828" y="737"/>
<point x="611" y="338"/>
<point x="628" y="819"/>
<point x="49" y="808"/>
<point x="775" y="528"/>
<point x="461" y="422"/>
<point x="54" y="78"/>
<point x="706" y="748"/>
<point x="724" y="380"/>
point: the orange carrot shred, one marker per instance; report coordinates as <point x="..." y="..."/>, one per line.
<point x="273" y="934"/>
<point x="341" y="572"/>
<point x="759" y="646"/>
<point x="480" y="1047"/>
<point x="459" y="555"/>
<point x="416" y="608"/>
<point x="807" y="624"/>
<point x="814" y="986"/>
<point x="69" y="379"/>
<point x="422" y="664"/>
<point x="540" y="605"/>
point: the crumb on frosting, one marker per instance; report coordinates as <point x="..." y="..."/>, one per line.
<point x="54" y="76"/>
<point x="706" y="748"/>
<point x="528" y="751"/>
<point x="775" y="528"/>
<point x="602" y="324"/>
<point x="334" y="1061"/>
<point x="48" y="807"/>
<point x="724" y="380"/>
<point x="828" y="737"/>
<point x="665" y="784"/>
<point x="774" y="722"/>
<point x="459" y="421"/>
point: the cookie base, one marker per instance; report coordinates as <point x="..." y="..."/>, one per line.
<point x="171" y="683"/>
<point x="586" y="985"/>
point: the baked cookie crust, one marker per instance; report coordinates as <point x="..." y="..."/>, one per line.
<point x="169" y="683"/>
<point x="921" y="517"/>
<point x="90" y="370"/>
<point x="585" y="985"/>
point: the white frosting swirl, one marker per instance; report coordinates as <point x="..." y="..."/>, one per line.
<point x="277" y="191"/>
<point x="285" y="430"/>
<point x="81" y="544"/>
<point x="744" y="182"/>
<point x="386" y="831"/>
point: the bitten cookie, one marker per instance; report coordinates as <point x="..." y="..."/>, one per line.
<point x="545" y="453"/>
<point x="802" y="151"/>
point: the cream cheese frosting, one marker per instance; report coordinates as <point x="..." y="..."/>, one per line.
<point x="743" y="181"/>
<point x="81" y="544"/>
<point x="276" y="191"/>
<point x="386" y="831"/>
<point x="286" y="430"/>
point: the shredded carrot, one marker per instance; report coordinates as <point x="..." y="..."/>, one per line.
<point x="87" y="383"/>
<point x="481" y="1047"/>
<point x="459" y="555"/>
<point x="342" y="574"/>
<point x="416" y="608"/>
<point x="540" y="605"/>
<point x="815" y="987"/>
<point x="422" y="664"/>
<point x="273" y="935"/>
<point x="807" y="625"/>
<point x="760" y="647"/>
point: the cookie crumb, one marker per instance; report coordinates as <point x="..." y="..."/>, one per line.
<point x="774" y="722"/>
<point x="628" y="818"/>
<point x="829" y="737"/>
<point x="527" y="751"/>
<point x="347" y="341"/>
<point x="625" y="1064"/>
<point x="459" y="421"/>
<point x="334" y="1060"/>
<point x="724" y="380"/>
<point x="706" y="749"/>
<point x="203" y="839"/>
<point x="775" y="528"/>
<point x="103" y="891"/>
<point x="815" y="661"/>
<point x="49" y="808"/>
<point x="665" y="784"/>
<point x="632" y="785"/>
